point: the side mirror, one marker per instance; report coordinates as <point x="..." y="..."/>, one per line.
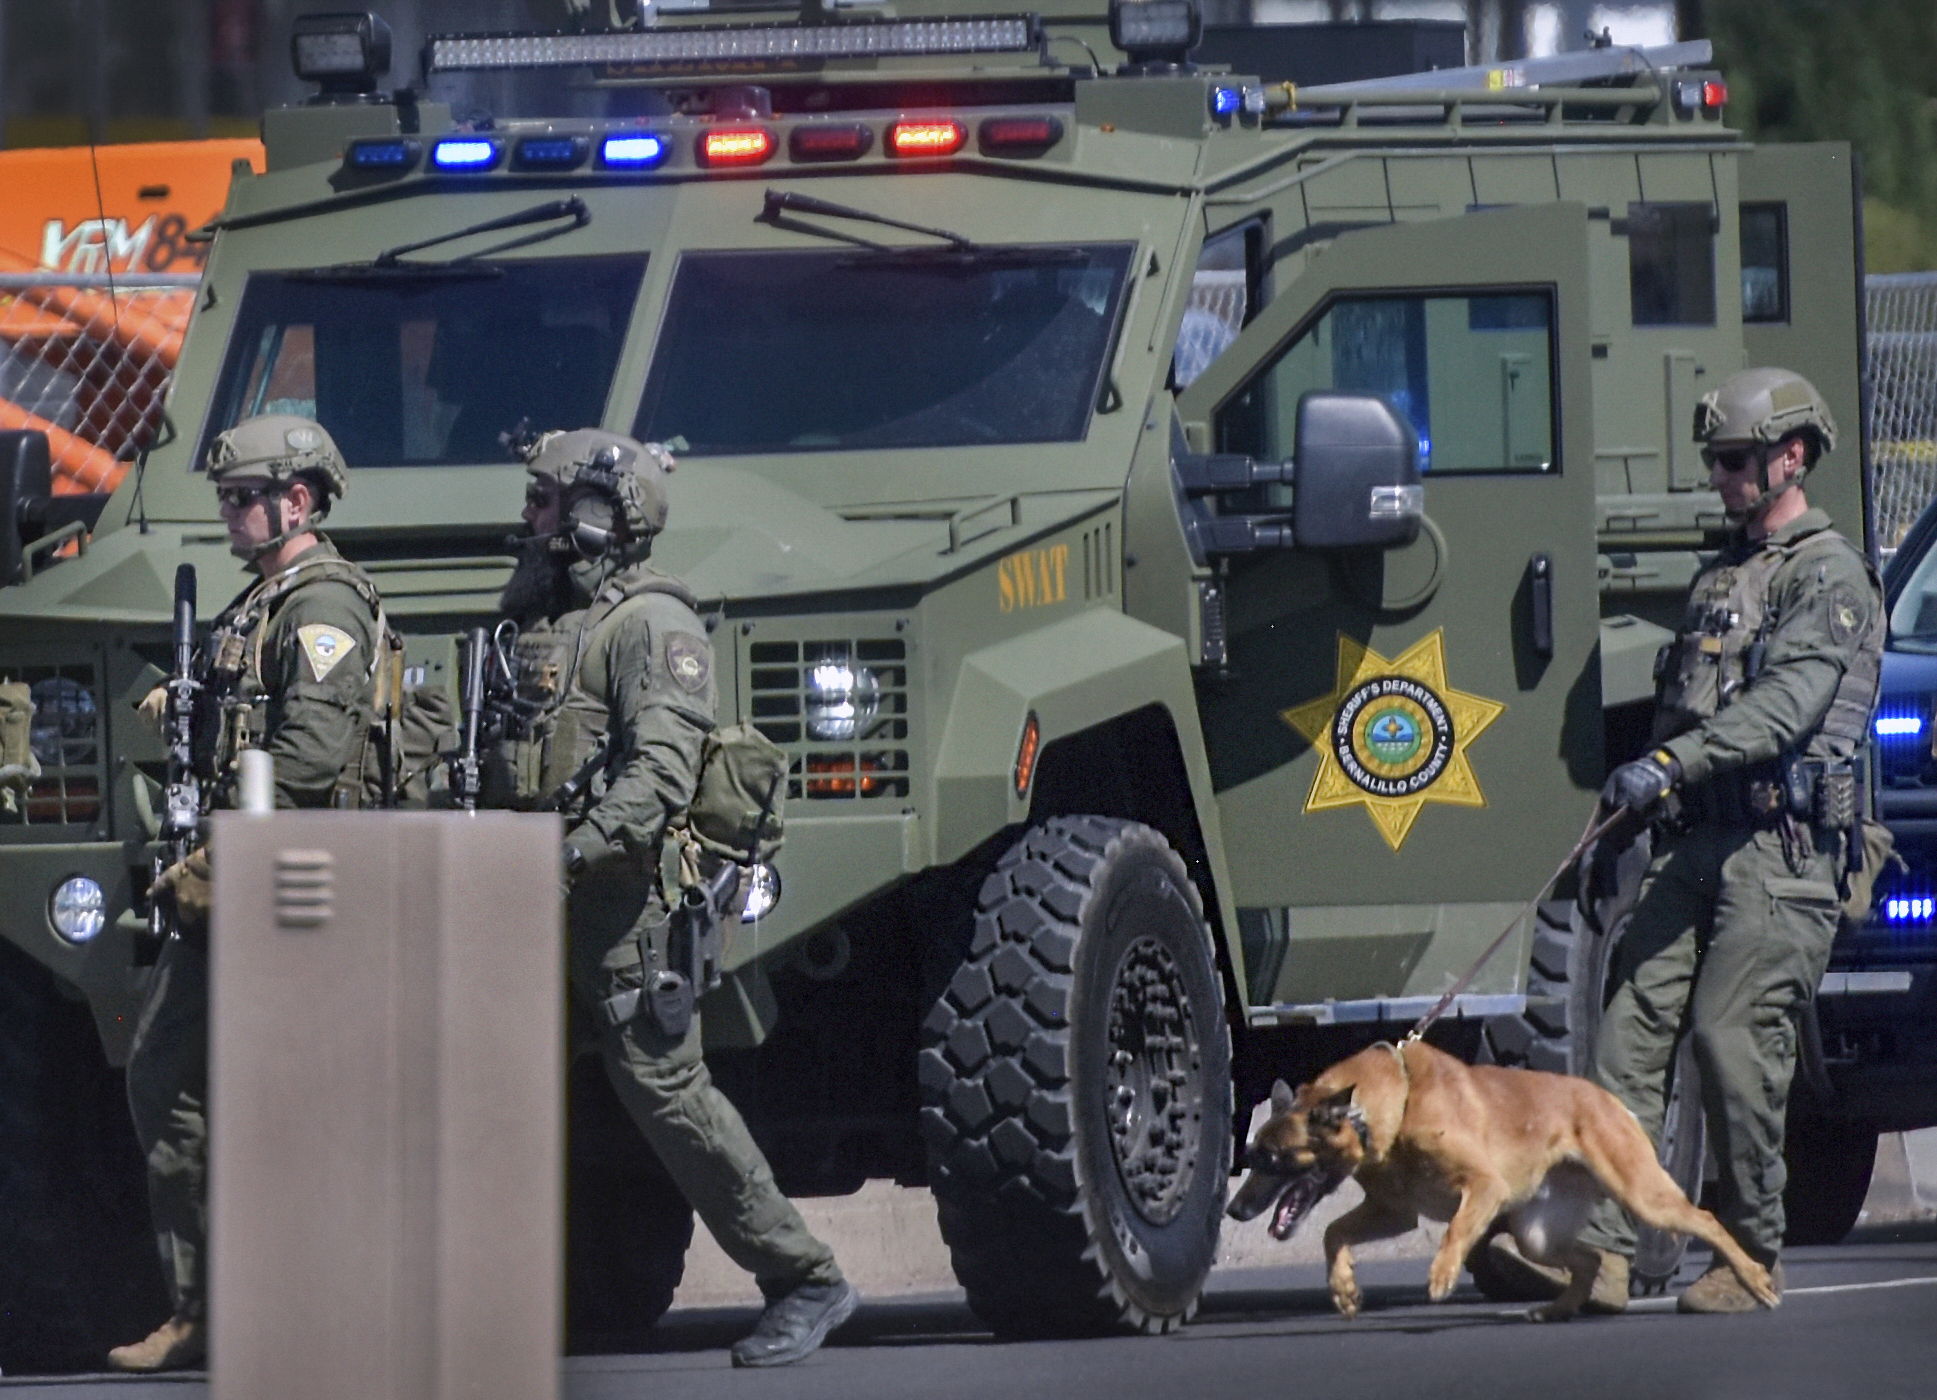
<point x="33" y="520"/>
<point x="26" y="483"/>
<point x="1358" y="474"/>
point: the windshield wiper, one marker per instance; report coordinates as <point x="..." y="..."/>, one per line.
<point x="390" y="264"/>
<point x="783" y="202"/>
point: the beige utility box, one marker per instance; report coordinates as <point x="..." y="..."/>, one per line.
<point x="386" y="1106"/>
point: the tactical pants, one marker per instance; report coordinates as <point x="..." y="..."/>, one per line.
<point x="697" y="1134"/>
<point x="168" y="1095"/>
<point x="1726" y="944"/>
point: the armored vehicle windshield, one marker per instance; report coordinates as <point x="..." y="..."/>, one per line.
<point x="931" y="348"/>
<point x="417" y="366"/>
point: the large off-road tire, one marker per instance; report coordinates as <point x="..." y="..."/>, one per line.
<point x="1830" y="1161"/>
<point x="1567" y="990"/>
<point x="79" y="1272"/>
<point x="627" y="1227"/>
<point x="1076" y="1088"/>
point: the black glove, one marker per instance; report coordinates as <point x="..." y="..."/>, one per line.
<point x="1640" y="784"/>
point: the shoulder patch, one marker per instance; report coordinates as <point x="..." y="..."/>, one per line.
<point x="1845" y="614"/>
<point x="324" y="647"/>
<point x="689" y="661"/>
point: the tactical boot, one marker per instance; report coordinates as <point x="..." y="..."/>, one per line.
<point x="1720" y="1291"/>
<point x="795" y="1323"/>
<point x="177" y="1344"/>
<point x="1533" y="1282"/>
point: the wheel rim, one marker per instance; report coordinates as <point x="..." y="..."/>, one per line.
<point x="1154" y="1081"/>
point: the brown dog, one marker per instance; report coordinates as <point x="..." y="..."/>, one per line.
<point x="1426" y="1134"/>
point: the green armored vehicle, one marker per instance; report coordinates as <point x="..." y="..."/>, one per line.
<point x="1200" y="538"/>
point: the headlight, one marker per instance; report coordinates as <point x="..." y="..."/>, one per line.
<point x="842" y="701"/>
<point x="763" y="892"/>
<point x="79" y="909"/>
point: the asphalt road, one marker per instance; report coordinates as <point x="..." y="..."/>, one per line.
<point x="1859" y="1320"/>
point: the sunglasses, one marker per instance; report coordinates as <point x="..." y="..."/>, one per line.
<point x="242" y="497"/>
<point x="1734" y="459"/>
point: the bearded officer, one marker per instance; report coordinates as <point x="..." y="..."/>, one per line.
<point x="1762" y="699"/>
<point x="614" y="661"/>
<point x="287" y="669"/>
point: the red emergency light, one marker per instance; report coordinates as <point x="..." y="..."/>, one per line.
<point x="837" y="141"/>
<point x="741" y="145"/>
<point x="1019" y="136"/>
<point x="926" y="138"/>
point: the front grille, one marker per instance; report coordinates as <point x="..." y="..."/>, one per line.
<point x="65" y="736"/>
<point x="840" y="709"/>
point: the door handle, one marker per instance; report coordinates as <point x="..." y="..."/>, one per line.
<point x="1540" y="574"/>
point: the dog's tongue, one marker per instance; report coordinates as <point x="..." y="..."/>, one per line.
<point x="1297" y="1199"/>
<point x="1290" y="1211"/>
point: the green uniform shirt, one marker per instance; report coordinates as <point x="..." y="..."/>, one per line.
<point x="651" y="666"/>
<point x="1824" y="603"/>
<point x="316" y="664"/>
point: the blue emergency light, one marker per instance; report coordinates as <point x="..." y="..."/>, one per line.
<point x="1909" y="909"/>
<point x="466" y="153"/>
<point x="636" y="151"/>
<point x="391" y="155"/>
<point x="1899" y="726"/>
<point x="551" y="152"/>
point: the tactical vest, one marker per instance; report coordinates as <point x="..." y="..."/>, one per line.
<point x="232" y="713"/>
<point x="565" y="746"/>
<point x="1720" y="647"/>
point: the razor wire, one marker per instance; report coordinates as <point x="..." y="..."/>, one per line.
<point x="1902" y="311"/>
<point x="88" y="362"/>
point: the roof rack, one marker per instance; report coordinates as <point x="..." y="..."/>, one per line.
<point x="1603" y="65"/>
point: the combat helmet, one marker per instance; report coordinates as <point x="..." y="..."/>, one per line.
<point x="280" y="446"/>
<point x="613" y="490"/>
<point x="1765" y="406"/>
<point x="1761" y="407"/>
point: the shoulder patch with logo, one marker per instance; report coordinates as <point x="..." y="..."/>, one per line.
<point x="1845" y="614"/>
<point x="688" y="661"/>
<point x="324" y="647"/>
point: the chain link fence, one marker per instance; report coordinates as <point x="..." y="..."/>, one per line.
<point x="87" y="360"/>
<point x="1902" y="310"/>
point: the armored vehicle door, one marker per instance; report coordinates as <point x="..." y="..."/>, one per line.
<point x="1405" y="743"/>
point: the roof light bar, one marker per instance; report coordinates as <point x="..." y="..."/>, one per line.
<point x="453" y="53"/>
<point x="464" y="154"/>
<point x="942" y="138"/>
<point x="640" y="150"/>
<point x="741" y="145"/>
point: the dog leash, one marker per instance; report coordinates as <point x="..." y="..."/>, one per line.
<point x="1595" y="830"/>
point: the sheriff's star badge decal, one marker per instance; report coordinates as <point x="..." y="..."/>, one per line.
<point x="1393" y="735"/>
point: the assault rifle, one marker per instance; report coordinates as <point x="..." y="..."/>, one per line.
<point x="181" y="812"/>
<point x="467" y="773"/>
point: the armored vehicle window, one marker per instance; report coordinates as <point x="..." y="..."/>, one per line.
<point x="1671" y="264"/>
<point x="427" y="370"/>
<point x="1765" y="262"/>
<point x="1913" y="618"/>
<point x="1474" y="374"/>
<point x="833" y="351"/>
<point x="1224" y="296"/>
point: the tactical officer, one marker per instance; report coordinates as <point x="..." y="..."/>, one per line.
<point x="288" y="668"/>
<point x="1762" y="699"/>
<point x="614" y="662"/>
